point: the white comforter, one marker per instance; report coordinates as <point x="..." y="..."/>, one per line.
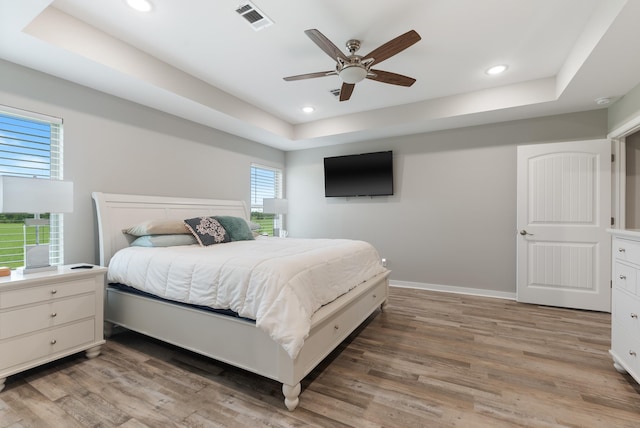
<point x="278" y="282"/>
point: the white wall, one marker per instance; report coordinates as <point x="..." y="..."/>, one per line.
<point x="452" y="221"/>
<point x="112" y="145"/>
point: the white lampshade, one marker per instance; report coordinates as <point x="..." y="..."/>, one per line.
<point x="35" y="195"/>
<point x="274" y="206"/>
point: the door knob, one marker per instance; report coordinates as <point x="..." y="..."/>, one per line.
<point x="524" y="232"/>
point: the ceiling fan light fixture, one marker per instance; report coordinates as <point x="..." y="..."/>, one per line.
<point x="353" y="74"/>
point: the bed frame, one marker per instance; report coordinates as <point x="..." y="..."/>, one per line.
<point x="231" y="340"/>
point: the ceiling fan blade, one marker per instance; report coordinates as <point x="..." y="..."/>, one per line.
<point x="325" y="44"/>
<point x="346" y="90"/>
<point x="392" y="78"/>
<point x="310" y="75"/>
<point x="394" y="46"/>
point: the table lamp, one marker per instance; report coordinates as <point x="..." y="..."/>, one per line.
<point x="35" y="196"/>
<point x="276" y="206"/>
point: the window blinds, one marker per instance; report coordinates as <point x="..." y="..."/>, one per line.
<point x="30" y="146"/>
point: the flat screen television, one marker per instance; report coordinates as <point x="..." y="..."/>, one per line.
<point x="367" y="174"/>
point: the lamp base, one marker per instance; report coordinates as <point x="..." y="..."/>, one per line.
<point x="27" y="270"/>
<point x="36" y="258"/>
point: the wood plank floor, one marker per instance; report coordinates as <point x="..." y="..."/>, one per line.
<point x="430" y="360"/>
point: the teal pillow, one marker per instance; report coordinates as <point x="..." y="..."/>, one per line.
<point x="164" y="240"/>
<point x="236" y="227"/>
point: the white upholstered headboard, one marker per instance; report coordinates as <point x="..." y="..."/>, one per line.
<point x="116" y="212"/>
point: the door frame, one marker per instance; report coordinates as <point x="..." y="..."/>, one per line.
<point x="619" y="169"/>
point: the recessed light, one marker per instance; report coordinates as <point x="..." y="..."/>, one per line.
<point x="140" y="5"/>
<point x="497" y="69"/>
<point x="602" y="101"/>
<point x="308" y="109"/>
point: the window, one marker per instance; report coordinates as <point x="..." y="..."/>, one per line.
<point x="266" y="182"/>
<point x="30" y="146"/>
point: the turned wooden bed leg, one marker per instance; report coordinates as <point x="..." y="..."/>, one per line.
<point x="2" y="381"/>
<point x="383" y="306"/>
<point x="291" y="394"/>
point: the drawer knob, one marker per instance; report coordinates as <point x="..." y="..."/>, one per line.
<point x="54" y="291"/>
<point x="621" y="250"/>
<point x="54" y="314"/>
<point x="622" y="277"/>
<point x="634" y="316"/>
<point x="53" y="341"/>
<point x="336" y="327"/>
<point x="632" y="353"/>
<point x="375" y="295"/>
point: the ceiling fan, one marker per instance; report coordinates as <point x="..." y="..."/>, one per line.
<point x="354" y="68"/>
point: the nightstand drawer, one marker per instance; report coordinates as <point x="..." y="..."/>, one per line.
<point x="57" y="312"/>
<point x="42" y="293"/>
<point x="33" y="347"/>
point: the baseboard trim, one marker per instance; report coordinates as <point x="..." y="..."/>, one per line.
<point x="454" y="289"/>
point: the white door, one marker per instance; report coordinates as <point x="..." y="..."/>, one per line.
<point x="564" y="206"/>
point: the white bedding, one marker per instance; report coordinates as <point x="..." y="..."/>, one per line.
<point x="278" y="282"/>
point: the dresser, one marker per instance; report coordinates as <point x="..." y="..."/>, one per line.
<point x="625" y="302"/>
<point x="49" y="315"/>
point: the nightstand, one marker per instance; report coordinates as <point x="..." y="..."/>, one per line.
<point x="45" y="316"/>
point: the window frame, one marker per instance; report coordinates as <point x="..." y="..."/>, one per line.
<point x="54" y="172"/>
<point x="259" y="193"/>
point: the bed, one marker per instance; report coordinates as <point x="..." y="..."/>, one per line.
<point x="235" y="340"/>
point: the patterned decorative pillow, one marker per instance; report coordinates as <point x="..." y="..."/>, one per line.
<point x="207" y="230"/>
<point x="236" y="227"/>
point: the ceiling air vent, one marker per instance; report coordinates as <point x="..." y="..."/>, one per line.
<point x="256" y="19"/>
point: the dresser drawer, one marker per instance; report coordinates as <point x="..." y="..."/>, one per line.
<point x="625" y="332"/>
<point x="626" y="319"/>
<point x="57" y="312"/>
<point x="625" y="277"/>
<point x="627" y="250"/>
<point x="42" y="293"/>
<point x="626" y="352"/>
<point x="33" y="347"/>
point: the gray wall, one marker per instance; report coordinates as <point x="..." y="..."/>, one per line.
<point x="452" y="221"/>
<point x="112" y="145"/>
